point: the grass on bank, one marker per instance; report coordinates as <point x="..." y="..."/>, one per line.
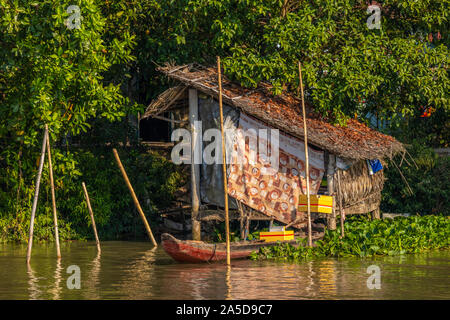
<point x="365" y="237"/>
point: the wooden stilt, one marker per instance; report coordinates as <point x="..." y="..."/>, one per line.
<point x="376" y="214"/>
<point x="241" y="219"/>
<point x="224" y="164"/>
<point x="306" y="157"/>
<point x="135" y="199"/>
<point x="341" y="209"/>
<point x="52" y="185"/>
<point x="247" y="224"/>
<point x="331" y="220"/>
<point x="195" y="165"/>
<point x="91" y="213"/>
<point x="36" y="196"/>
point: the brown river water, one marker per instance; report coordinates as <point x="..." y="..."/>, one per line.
<point x="133" y="270"/>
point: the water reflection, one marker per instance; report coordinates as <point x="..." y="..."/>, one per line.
<point x="93" y="283"/>
<point x="228" y="283"/>
<point x="57" y="288"/>
<point x="139" y="278"/>
<point x="327" y="278"/>
<point x="126" y="270"/>
<point x="33" y="286"/>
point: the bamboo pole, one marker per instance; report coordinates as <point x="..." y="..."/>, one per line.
<point x="52" y="185"/>
<point x="135" y="199"/>
<point x="36" y="196"/>
<point x="91" y="213"/>
<point x="306" y="156"/>
<point x="224" y="164"/>
<point x="341" y="210"/>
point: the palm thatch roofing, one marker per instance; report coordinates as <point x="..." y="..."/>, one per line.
<point x="353" y="141"/>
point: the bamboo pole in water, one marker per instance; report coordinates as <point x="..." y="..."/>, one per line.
<point x="135" y="199"/>
<point x="52" y="185"/>
<point x="36" y="196"/>
<point x="306" y="156"/>
<point x="224" y="164"/>
<point x="91" y="213"/>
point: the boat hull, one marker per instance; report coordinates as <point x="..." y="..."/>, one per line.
<point x="197" y="251"/>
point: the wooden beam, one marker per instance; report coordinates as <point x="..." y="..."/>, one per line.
<point x="219" y="215"/>
<point x="169" y="120"/>
<point x="331" y="219"/>
<point x="241" y="219"/>
<point x="376" y="214"/>
<point x="341" y="208"/>
<point x="195" y="167"/>
<point x="157" y="144"/>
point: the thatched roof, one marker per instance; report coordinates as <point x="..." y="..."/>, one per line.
<point x="354" y="141"/>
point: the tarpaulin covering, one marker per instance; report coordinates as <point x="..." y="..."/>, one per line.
<point x="260" y="185"/>
<point x="211" y="176"/>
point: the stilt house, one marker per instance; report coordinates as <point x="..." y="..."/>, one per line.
<point x="334" y="151"/>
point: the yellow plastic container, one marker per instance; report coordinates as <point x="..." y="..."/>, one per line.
<point x="276" y="235"/>
<point x="319" y="203"/>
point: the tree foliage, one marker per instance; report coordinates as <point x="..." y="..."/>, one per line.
<point x="393" y="72"/>
<point x="52" y="74"/>
<point x="75" y="80"/>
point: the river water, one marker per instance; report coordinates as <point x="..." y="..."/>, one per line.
<point x="133" y="270"/>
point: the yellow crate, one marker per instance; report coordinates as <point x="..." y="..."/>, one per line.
<point x="319" y="203"/>
<point x="276" y="235"/>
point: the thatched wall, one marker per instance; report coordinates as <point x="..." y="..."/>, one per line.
<point x="360" y="189"/>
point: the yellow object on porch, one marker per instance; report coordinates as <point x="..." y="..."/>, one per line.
<point x="276" y="235"/>
<point x="319" y="203"/>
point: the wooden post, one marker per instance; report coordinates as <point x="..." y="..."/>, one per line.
<point x="306" y="157"/>
<point x="241" y="219"/>
<point x="52" y="185"/>
<point x="195" y="164"/>
<point x="247" y="223"/>
<point x="331" y="221"/>
<point x="91" y="213"/>
<point x="135" y="199"/>
<point x="36" y="195"/>
<point x="224" y="164"/>
<point x="341" y="209"/>
<point x="376" y="214"/>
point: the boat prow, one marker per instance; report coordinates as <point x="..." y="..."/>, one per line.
<point x="199" y="251"/>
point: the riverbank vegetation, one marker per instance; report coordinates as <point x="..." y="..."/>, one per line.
<point x="154" y="178"/>
<point x="88" y="85"/>
<point x="365" y="238"/>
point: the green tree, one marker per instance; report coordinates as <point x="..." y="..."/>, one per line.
<point x="392" y="72"/>
<point x="51" y="73"/>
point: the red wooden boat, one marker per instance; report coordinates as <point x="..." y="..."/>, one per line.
<point x="199" y="251"/>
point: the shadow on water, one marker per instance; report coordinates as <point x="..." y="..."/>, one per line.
<point x="133" y="270"/>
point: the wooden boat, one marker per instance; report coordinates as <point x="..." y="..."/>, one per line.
<point x="199" y="251"/>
